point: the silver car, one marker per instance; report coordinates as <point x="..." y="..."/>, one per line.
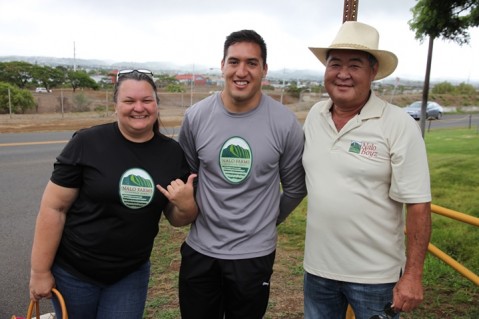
<point x="433" y="110"/>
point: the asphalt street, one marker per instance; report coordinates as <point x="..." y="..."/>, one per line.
<point x="24" y="171"/>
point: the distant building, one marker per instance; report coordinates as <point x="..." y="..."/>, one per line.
<point x="188" y="78"/>
<point x="113" y="75"/>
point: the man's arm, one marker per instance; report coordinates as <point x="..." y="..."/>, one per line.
<point x="286" y="206"/>
<point x="408" y="292"/>
<point x="292" y="173"/>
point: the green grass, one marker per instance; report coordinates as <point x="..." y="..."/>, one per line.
<point x="454" y="164"/>
<point x="453" y="156"/>
<point x="162" y="302"/>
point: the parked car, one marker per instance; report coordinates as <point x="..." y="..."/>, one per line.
<point x="41" y="90"/>
<point x="433" y="110"/>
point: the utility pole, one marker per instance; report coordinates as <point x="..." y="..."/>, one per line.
<point x="74" y="57"/>
<point x="9" y="103"/>
<point x="192" y="85"/>
<point x="350" y="12"/>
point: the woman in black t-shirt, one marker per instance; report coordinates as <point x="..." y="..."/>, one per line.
<point x="100" y="210"/>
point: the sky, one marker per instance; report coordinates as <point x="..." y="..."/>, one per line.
<point x="192" y="32"/>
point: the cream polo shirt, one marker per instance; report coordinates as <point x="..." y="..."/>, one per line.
<point x="357" y="181"/>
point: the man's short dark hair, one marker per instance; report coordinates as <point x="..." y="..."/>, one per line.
<point x="245" y="36"/>
<point x="371" y="58"/>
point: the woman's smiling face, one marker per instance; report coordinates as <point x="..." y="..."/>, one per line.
<point x="136" y="109"/>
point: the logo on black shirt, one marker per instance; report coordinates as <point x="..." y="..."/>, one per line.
<point x="136" y="188"/>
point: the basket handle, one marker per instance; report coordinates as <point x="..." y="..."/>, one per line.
<point x="37" y="306"/>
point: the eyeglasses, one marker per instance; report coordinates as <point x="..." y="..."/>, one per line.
<point x="123" y="72"/>
<point x="388" y="312"/>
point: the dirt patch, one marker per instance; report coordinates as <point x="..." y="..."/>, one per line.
<point x="286" y="299"/>
<point x="44" y="122"/>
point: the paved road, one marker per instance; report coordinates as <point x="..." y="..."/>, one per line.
<point x="26" y="161"/>
<point x="24" y="171"/>
<point x="455" y="120"/>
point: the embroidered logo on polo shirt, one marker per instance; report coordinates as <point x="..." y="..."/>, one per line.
<point x="136" y="188"/>
<point x="364" y="149"/>
<point x="235" y="160"/>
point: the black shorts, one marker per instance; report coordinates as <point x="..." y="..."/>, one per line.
<point x="211" y="288"/>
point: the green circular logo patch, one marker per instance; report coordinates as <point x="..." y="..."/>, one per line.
<point x="235" y="160"/>
<point x="136" y="188"/>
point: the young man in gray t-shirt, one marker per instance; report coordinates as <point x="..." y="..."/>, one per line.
<point x="246" y="149"/>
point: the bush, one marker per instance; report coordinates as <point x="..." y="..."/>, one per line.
<point x="81" y="102"/>
<point x="21" y="100"/>
<point x="175" y="88"/>
<point x="443" y="88"/>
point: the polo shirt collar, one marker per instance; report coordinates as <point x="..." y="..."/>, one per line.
<point x="374" y="107"/>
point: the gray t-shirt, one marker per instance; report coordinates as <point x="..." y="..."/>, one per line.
<point x="250" y="175"/>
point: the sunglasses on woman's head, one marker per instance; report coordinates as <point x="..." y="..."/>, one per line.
<point x="142" y="71"/>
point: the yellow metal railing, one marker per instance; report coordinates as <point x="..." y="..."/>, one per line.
<point x="468" y="274"/>
<point x="455" y="215"/>
<point x="445" y="257"/>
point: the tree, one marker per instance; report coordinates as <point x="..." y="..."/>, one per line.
<point x="47" y="77"/>
<point x="16" y="72"/>
<point x="446" y="19"/>
<point x="317" y="88"/>
<point x="80" y="79"/>
<point x="294" y="90"/>
<point x="443" y="88"/>
<point x="466" y="89"/>
<point x="21" y="100"/>
<point x="163" y="80"/>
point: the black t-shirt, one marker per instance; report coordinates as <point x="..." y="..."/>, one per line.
<point x="111" y="226"/>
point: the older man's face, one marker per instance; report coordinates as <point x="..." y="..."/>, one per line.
<point x="348" y="77"/>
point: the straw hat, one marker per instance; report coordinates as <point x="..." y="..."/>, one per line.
<point x="355" y="35"/>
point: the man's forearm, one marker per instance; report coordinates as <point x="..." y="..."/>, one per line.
<point x="418" y="232"/>
<point x="286" y="206"/>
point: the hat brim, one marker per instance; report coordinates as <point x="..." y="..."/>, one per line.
<point x="387" y="61"/>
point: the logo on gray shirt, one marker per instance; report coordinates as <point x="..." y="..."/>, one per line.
<point x="235" y="160"/>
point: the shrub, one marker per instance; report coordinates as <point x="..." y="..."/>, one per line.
<point x="21" y="100"/>
<point x="81" y="102"/>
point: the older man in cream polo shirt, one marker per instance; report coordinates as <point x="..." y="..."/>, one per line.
<point x="365" y="160"/>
